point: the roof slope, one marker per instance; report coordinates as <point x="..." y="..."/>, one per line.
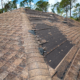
<point x="60" y="41"/>
<point x="26" y="34"/>
<point x="12" y="54"/>
<point x="19" y="55"/>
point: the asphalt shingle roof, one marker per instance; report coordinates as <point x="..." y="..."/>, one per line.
<point x="20" y="57"/>
<point x="12" y="54"/>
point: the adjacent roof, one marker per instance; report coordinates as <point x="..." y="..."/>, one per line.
<point x="38" y="46"/>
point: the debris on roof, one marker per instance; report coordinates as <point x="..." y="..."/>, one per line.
<point x="41" y="50"/>
<point x="32" y="32"/>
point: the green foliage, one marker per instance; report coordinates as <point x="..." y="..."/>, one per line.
<point x="58" y="8"/>
<point x="25" y="3"/>
<point x="28" y="7"/>
<point x="68" y="5"/>
<point x="38" y="9"/>
<point x="22" y="4"/>
<point x="30" y="2"/>
<point x="77" y="19"/>
<point x="65" y="4"/>
<point x="10" y="5"/>
<point x="14" y="4"/>
<point x="1" y="11"/>
<point x="75" y="15"/>
<point x="53" y="10"/>
<point x="42" y="5"/>
<point x="70" y="2"/>
<point x="76" y="11"/>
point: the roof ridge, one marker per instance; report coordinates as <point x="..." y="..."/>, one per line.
<point x="39" y="73"/>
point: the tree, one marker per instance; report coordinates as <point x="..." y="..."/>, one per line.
<point x="78" y="9"/>
<point x="25" y="3"/>
<point x="15" y="4"/>
<point x="75" y="12"/>
<point x="38" y="9"/>
<point x="10" y="3"/>
<point x="42" y="5"/>
<point x="2" y="5"/>
<point x="70" y="3"/>
<point x="75" y="15"/>
<point x="8" y="6"/>
<point x="61" y="11"/>
<point x="53" y="10"/>
<point x="56" y="6"/>
<point x="30" y="3"/>
<point x="1" y="11"/>
<point x="65" y="4"/>
<point x="22" y="4"/>
<point x="64" y="15"/>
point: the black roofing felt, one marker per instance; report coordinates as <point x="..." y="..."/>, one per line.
<point x="28" y="11"/>
<point x="36" y="18"/>
<point x="57" y="46"/>
<point x="55" y="38"/>
<point x="54" y="58"/>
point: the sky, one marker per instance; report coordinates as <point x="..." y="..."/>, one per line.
<point x="34" y="2"/>
<point x="51" y="2"/>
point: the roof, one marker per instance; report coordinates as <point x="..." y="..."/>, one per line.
<point x="38" y="46"/>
